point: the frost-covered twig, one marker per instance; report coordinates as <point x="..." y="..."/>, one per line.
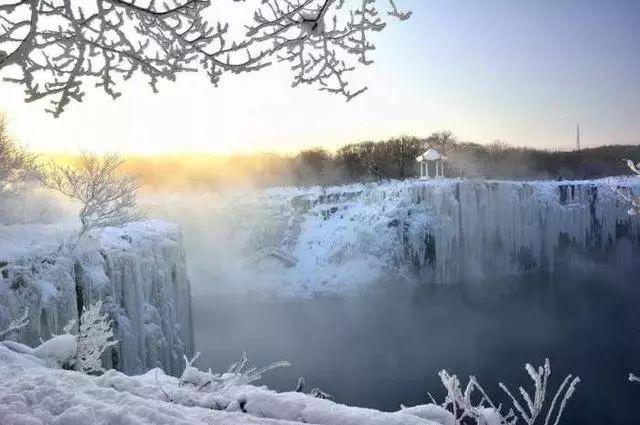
<point x="484" y="411"/>
<point x="16" y="324"/>
<point x="238" y="374"/>
<point x="55" y="47"/>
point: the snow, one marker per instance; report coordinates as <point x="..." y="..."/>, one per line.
<point x="138" y="271"/>
<point x="344" y="239"/>
<point x="430" y="155"/>
<point x="57" y="351"/>
<point x="33" y="394"/>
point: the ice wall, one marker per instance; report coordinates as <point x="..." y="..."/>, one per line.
<point x="340" y="238"/>
<point x="139" y="271"/>
<point x="481" y="228"/>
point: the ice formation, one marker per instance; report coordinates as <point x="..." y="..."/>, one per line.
<point x="340" y="238"/>
<point x="138" y="271"/>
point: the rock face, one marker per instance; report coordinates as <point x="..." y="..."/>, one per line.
<point x="336" y="239"/>
<point x="139" y="271"/>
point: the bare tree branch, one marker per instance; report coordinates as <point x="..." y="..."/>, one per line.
<point x="57" y="47"/>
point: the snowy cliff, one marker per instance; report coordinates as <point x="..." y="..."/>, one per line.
<point x="139" y="272"/>
<point x="340" y="238"/>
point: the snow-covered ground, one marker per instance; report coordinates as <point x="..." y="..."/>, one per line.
<point x="31" y="394"/>
<point x="138" y="271"/>
<point x="336" y="240"/>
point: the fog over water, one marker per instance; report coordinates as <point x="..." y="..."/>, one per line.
<point x="385" y="347"/>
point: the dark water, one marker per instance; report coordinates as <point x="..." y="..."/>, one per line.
<point x="380" y="350"/>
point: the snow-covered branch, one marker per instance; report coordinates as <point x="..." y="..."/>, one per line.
<point x="16" y="324"/>
<point x="473" y="405"/>
<point x="56" y="47"/>
<point x="238" y="374"/>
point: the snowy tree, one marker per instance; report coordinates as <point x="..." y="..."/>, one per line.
<point x="53" y="48"/>
<point x="108" y="198"/>
<point x="17" y="166"/>
<point x="95" y="336"/>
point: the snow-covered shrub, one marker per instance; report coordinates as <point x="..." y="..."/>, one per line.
<point x="473" y="406"/>
<point x="95" y="335"/>
<point x="81" y="352"/>
<point x="238" y="374"/>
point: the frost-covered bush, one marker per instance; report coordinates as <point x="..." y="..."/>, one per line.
<point x="82" y="351"/>
<point x="95" y="335"/>
<point x="238" y="374"/>
<point x="473" y="406"/>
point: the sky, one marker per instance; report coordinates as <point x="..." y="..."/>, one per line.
<point x="525" y="72"/>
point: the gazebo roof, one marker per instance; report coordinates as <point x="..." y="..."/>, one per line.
<point x="430" y="155"/>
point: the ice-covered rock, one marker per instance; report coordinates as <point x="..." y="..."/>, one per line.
<point x="138" y="271"/>
<point x="338" y="239"/>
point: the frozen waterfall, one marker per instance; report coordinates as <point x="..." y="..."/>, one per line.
<point x="139" y="271"/>
<point x="338" y="239"/>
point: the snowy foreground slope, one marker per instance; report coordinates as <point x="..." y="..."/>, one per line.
<point x="138" y="271"/>
<point x="31" y="394"/>
<point x="338" y="239"/>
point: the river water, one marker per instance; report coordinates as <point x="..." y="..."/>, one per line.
<point x="385" y="348"/>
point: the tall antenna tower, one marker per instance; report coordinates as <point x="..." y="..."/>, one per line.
<point x="578" y="137"/>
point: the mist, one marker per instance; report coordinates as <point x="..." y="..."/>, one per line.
<point x="384" y="346"/>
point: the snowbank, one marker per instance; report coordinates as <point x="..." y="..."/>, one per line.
<point x="139" y="271"/>
<point x="341" y="239"/>
<point x="34" y="395"/>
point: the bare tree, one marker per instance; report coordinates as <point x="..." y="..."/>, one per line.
<point x="443" y="141"/>
<point x="17" y="166"/>
<point x="403" y="152"/>
<point x="57" y="46"/>
<point x="108" y="198"/>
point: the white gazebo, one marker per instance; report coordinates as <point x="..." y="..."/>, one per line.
<point x="431" y="156"/>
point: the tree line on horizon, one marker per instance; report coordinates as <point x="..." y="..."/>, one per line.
<point x="368" y="161"/>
